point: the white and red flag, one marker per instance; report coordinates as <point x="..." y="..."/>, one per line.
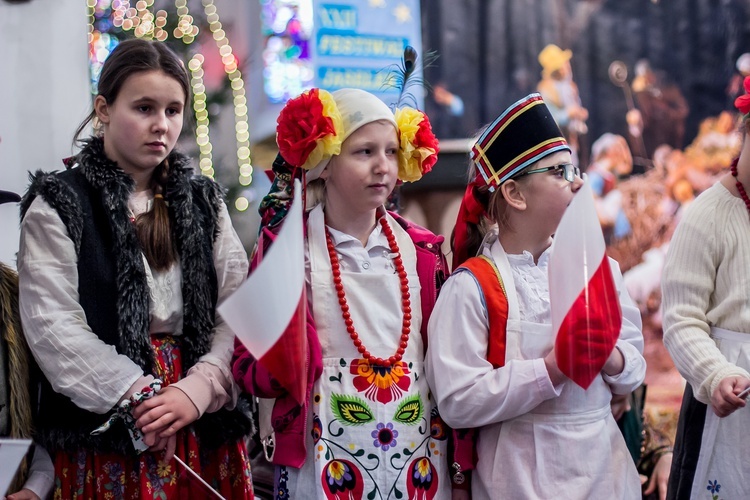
<point x="268" y="312"/>
<point x="586" y="314"/>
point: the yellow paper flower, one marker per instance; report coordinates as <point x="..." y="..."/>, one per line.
<point x="328" y="145"/>
<point x="418" y="145"/>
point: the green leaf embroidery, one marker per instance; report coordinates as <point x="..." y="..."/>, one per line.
<point x="410" y="410"/>
<point x="350" y="410"/>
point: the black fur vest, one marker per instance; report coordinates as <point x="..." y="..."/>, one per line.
<point x="91" y="201"/>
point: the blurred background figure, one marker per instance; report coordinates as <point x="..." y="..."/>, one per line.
<point x="451" y="102"/>
<point x="560" y="93"/>
<point x="734" y="88"/>
<point x="611" y="161"/>
<point x="661" y="111"/>
<point x="447" y="109"/>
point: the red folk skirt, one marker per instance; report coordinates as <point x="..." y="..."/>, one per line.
<point x="88" y="475"/>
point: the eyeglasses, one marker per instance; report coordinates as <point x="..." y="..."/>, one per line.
<point x="568" y="171"/>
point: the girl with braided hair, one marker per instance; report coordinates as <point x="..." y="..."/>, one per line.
<point x="123" y="259"/>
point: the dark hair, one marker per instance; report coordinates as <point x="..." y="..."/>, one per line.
<point x="128" y="58"/>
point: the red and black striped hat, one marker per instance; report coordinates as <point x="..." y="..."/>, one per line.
<point x="523" y="134"/>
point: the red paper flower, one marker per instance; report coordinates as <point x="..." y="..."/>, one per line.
<point x="307" y="122"/>
<point x="742" y="103"/>
<point x="419" y="146"/>
<point x="426" y="139"/>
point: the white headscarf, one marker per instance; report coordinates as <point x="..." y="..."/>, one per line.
<point x="357" y="108"/>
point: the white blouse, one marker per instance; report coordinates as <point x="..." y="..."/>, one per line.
<point x="457" y="366"/>
<point x="75" y="361"/>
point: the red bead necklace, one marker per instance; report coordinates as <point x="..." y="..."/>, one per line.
<point x="405" y="302"/>
<point x="740" y="187"/>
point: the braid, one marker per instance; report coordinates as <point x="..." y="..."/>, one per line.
<point x="153" y="227"/>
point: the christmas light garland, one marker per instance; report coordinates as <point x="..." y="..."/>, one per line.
<point x="145" y="24"/>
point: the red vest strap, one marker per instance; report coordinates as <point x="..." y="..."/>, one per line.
<point x="493" y="289"/>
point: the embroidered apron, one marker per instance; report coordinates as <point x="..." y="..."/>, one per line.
<point x="567" y="447"/>
<point x="722" y="465"/>
<point x="372" y="431"/>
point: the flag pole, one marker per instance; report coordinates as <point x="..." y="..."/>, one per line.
<point x="191" y="471"/>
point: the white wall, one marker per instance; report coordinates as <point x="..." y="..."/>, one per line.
<point x="43" y="95"/>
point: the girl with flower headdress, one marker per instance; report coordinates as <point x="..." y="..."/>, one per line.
<point x="707" y="332"/>
<point x="491" y="362"/>
<point x="369" y="426"/>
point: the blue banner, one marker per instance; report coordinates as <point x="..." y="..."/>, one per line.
<point x="360" y="43"/>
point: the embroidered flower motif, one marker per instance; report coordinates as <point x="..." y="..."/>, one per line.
<point x="381" y="383"/>
<point x="438" y="428"/>
<point x="409" y="410"/>
<point x="309" y="129"/>
<point x="317" y="429"/>
<point x="742" y="103"/>
<point x="419" y="146"/>
<point x="341" y="479"/>
<point x="714" y="486"/>
<point x="422" y="481"/>
<point x="350" y="410"/>
<point x="385" y="436"/>
<point x="163" y="469"/>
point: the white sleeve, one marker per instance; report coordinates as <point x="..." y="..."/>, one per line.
<point x="41" y="473"/>
<point x="74" y="360"/>
<point x="630" y="342"/>
<point x="688" y="284"/>
<point x="210" y="384"/>
<point x="468" y="390"/>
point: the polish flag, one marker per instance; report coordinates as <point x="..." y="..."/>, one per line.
<point x="586" y="314"/>
<point x="268" y="312"/>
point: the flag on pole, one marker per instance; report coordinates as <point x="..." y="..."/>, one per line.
<point x="586" y="314"/>
<point x="268" y="312"/>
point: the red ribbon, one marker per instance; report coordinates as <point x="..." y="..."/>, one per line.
<point x="471" y="211"/>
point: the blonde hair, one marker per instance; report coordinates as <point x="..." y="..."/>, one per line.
<point x="494" y="219"/>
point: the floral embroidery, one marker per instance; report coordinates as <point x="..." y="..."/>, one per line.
<point x="341" y="479"/>
<point x="380" y="383"/>
<point x="282" y="493"/>
<point x="385" y="436"/>
<point x="714" y="487"/>
<point x="423" y="479"/>
<point x="350" y="410"/>
<point x="438" y="429"/>
<point x="410" y="410"/>
<point x="317" y="429"/>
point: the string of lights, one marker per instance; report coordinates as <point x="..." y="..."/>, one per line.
<point x="145" y="24"/>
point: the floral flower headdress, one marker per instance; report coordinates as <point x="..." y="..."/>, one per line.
<point x="310" y="130"/>
<point x="742" y="103"/>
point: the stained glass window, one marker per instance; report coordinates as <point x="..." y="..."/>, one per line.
<point x="287" y="65"/>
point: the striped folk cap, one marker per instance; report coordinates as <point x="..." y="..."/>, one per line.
<point x="522" y="135"/>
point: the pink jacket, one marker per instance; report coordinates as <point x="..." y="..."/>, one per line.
<point x="288" y="418"/>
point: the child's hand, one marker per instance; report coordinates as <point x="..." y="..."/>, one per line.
<point x="169" y="445"/>
<point x="615" y="363"/>
<point x="555" y="375"/>
<point x="167" y="412"/>
<point x="660" y="477"/>
<point x="24" y="494"/>
<point x="620" y="405"/>
<point x="724" y="400"/>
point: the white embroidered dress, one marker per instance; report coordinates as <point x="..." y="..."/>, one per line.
<point x="369" y="428"/>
